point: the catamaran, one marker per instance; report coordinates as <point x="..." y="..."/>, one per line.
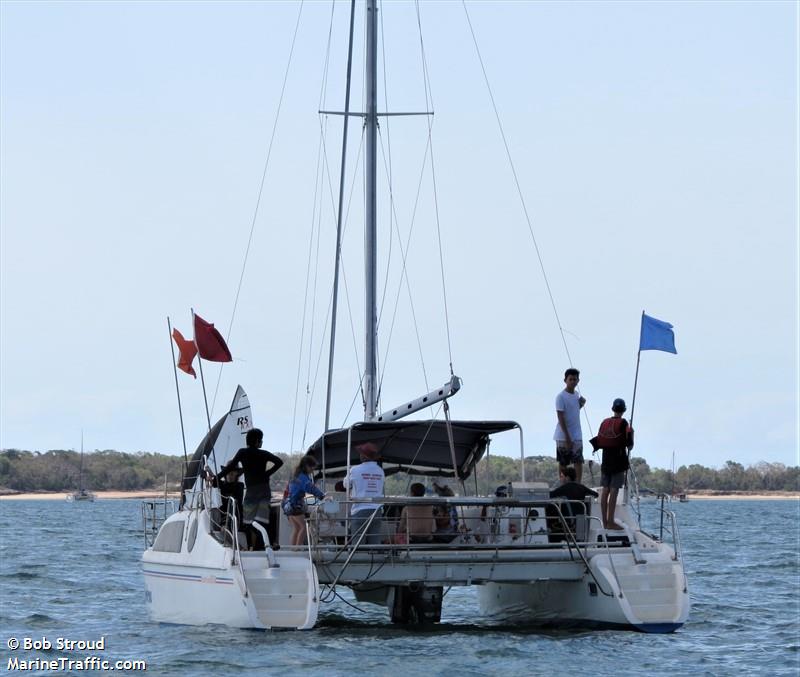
<point x="530" y="557"/>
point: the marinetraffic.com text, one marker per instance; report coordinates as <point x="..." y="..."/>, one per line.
<point x="22" y="661"/>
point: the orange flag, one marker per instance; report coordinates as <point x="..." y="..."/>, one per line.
<point x="187" y="352"/>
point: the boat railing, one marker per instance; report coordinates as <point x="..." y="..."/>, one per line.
<point x="234" y="534"/>
<point x="351" y="545"/>
<point x="460" y="522"/>
<point x="154" y="514"/>
<point x="671" y="529"/>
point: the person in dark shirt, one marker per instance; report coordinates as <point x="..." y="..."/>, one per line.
<point x="256" y="508"/>
<point x="572" y="491"/>
<point x="615" y="438"/>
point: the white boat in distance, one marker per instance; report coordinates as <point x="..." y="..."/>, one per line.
<point x="532" y="559"/>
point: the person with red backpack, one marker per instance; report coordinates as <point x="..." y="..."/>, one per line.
<point x="615" y="438"/>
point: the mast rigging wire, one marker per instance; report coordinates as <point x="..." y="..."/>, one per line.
<point x="429" y="106"/>
<point x="323" y="89"/>
<point x="339" y="208"/>
<point x="260" y="194"/>
<point x="404" y="277"/>
<point x="305" y="294"/>
<point x="519" y="192"/>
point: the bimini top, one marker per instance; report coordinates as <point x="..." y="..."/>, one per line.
<point x="415" y="447"/>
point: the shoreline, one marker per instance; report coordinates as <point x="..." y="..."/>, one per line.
<point x="142" y="494"/>
<point x="744" y="496"/>
<point x="98" y="495"/>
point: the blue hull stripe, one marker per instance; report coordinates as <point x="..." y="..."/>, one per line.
<point x="191" y="578"/>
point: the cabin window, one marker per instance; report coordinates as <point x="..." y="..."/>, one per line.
<point x="169" y="537"/>
<point x="192" y="535"/>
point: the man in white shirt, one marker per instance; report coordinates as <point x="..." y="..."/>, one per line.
<point x="568" y="436"/>
<point x="366" y="481"/>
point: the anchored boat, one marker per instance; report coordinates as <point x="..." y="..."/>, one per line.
<point x="530" y="557"/>
<point x="82" y="493"/>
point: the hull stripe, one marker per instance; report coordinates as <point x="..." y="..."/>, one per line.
<point x="191" y="578"/>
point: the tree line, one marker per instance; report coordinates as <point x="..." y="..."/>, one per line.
<point x="59" y="470"/>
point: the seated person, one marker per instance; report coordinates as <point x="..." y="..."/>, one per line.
<point x="572" y="491"/>
<point x="416" y="521"/>
<point x="446" y="518"/>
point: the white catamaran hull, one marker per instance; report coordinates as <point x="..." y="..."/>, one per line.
<point x="209" y="583"/>
<point x="651" y="596"/>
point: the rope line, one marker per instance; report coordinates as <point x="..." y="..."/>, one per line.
<point x="516" y="181"/>
<point x="260" y="194"/>
<point x="404" y="277"/>
<point x="521" y="198"/>
<point x="429" y="106"/>
<point x="345" y="222"/>
<point x="305" y="294"/>
<point x="322" y="95"/>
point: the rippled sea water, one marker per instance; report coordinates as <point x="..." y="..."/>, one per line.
<point x="72" y="570"/>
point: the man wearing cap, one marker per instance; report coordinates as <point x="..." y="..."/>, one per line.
<point x="615" y="438"/>
<point x="366" y="481"/>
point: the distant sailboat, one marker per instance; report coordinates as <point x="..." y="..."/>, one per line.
<point x="81" y="494"/>
<point x="682" y="497"/>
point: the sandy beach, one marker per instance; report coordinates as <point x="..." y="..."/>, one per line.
<point x="745" y="496"/>
<point x="61" y="495"/>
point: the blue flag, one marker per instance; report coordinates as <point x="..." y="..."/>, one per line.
<point x="656" y="335"/>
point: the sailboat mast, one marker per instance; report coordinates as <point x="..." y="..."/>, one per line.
<point x="370" y="230"/>
<point x="80" y="473"/>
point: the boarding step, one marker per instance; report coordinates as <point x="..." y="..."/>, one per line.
<point x="267" y="586"/>
<point x="277" y="618"/>
<point x="647" y="581"/>
<point x="644" y="598"/>
<point x="266" y="603"/>
<point x="656" y="613"/>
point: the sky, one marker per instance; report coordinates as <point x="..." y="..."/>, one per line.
<point x="655" y="146"/>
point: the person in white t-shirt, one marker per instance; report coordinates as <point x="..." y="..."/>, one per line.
<point x="366" y="481"/>
<point x="568" y="437"/>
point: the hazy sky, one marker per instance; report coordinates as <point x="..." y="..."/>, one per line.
<point x="656" y="150"/>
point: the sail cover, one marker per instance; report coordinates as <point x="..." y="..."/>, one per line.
<point x="414" y="447"/>
<point x="220" y="443"/>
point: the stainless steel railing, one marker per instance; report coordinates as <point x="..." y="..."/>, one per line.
<point x="458" y="522"/>
<point x="154" y="514"/>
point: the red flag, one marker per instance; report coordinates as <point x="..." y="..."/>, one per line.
<point x="187" y="352"/>
<point x="210" y="343"/>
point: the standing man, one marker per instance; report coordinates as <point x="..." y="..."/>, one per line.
<point x="256" y="508"/>
<point x="366" y="481"/>
<point x="568" y="437"/>
<point x="615" y="438"/>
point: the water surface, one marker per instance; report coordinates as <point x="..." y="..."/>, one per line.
<point x="72" y="570"/>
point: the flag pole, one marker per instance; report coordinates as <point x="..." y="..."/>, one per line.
<point x="636" y="378"/>
<point x="202" y="380"/>
<point x="177" y="392"/>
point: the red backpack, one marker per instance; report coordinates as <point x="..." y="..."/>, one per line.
<point x="612" y="434"/>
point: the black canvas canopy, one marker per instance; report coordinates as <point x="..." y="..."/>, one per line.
<point x="415" y="447"/>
